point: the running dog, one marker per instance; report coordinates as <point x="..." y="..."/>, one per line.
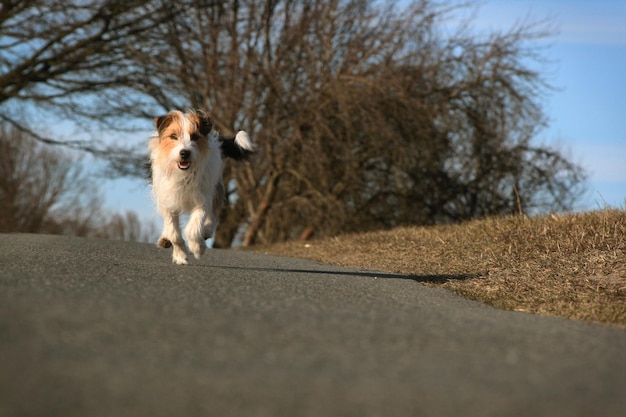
<point x="186" y="161"/>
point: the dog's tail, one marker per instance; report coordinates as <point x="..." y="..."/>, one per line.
<point x="239" y="148"/>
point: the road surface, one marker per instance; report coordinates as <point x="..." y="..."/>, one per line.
<point x="103" y="328"/>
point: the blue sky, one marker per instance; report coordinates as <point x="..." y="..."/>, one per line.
<point x="587" y="111"/>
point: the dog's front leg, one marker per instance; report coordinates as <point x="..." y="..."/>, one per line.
<point x="171" y="236"/>
<point x="193" y="231"/>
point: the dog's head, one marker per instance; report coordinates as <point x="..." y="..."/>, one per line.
<point x="183" y="140"/>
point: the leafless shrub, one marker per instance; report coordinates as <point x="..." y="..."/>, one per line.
<point x="127" y="226"/>
<point x="43" y="190"/>
<point x="35" y="183"/>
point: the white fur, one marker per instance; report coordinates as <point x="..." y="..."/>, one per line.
<point x="243" y="139"/>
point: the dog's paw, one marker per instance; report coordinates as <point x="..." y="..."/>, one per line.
<point x="164" y="242"/>
<point x="197" y="248"/>
<point x="179" y="259"/>
<point x="179" y="255"/>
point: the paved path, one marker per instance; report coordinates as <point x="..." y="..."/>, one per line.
<point x="100" y="328"/>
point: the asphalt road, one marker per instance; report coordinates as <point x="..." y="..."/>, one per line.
<point x="102" y="328"/>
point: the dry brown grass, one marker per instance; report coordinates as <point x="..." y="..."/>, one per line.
<point x="571" y="265"/>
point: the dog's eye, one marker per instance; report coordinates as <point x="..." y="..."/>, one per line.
<point x="173" y="136"/>
<point x="195" y="137"/>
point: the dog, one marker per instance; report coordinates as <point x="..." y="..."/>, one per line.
<point x="185" y="169"/>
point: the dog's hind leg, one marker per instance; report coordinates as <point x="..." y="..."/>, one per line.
<point x="210" y="224"/>
<point x="171" y="236"/>
<point x="213" y="216"/>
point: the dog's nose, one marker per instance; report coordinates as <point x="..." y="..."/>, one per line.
<point x="184" y="154"/>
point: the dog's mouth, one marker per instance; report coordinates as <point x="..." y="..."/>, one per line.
<point x="184" y="165"/>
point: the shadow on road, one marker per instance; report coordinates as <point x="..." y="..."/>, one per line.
<point x="438" y="279"/>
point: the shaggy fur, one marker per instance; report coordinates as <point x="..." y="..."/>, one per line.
<point x="186" y="174"/>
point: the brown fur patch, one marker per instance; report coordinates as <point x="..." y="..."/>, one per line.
<point x="164" y="243"/>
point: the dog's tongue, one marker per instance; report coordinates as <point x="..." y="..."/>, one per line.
<point x="183" y="164"/>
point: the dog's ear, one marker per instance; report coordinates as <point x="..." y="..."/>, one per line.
<point x="162" y="122"/>
<point x="205" y="122"/>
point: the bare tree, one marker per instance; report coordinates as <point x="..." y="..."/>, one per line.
<point x="40" y="187"/>
<point x="366" y="114"/>
<point x="124" y="226"/>
<point x="45" y="190"/>
<point x="61" y="54"/>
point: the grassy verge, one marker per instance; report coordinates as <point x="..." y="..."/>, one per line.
<point x="571" y="265"/>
